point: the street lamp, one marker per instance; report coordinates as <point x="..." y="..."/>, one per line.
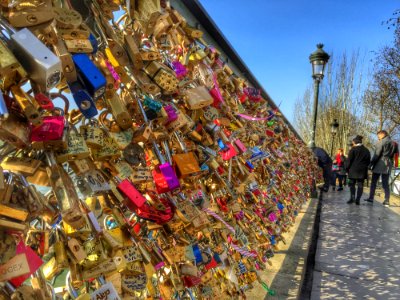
<point x="334" y="129"/>
<point x="318" y="60"/>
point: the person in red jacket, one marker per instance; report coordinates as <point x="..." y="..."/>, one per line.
<point x="338" y="169"/>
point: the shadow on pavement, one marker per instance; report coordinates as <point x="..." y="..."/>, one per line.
<point x="358" y="253"/>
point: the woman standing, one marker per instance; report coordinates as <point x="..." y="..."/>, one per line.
<point x="341" y="173"/>
<point x="357" y="167"/>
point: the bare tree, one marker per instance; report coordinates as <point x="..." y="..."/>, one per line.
<point x="382" y="97"/>
<point x="340" y="98"/>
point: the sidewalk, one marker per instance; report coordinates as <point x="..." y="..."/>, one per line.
<point x="285" y="276"/>
<point x="358" y="252"/>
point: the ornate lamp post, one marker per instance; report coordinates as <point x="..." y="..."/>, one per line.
<point x="318" y="60"/>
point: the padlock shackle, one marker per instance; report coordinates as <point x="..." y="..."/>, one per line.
<point x="181" y="144"/>
<point x="158" y="153"/>
<point x="167" y="151"/>
<point x="7" y="26"/>
<point x="70" y="289"/>
<point x="145" y="119"/>
<point x="64" y="99"/>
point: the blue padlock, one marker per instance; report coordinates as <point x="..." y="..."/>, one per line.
<point x="83" y="100"/>
<point x="94" y="43"/>
<point x="91" y="77"/>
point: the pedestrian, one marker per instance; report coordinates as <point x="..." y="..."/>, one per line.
<point x="357" y="168"/>
<point x="335" y="170"/>
<point x="325" y="163"/>
<point x="339" y="170"/>
<point x="381" y="165"/>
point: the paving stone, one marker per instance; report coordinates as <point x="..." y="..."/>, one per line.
<point x="358" y="251"/>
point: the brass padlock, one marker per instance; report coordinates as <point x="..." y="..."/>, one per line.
<point x="92" y="133"/>
<point x="186" y="163"/>
<point x="133" y="52"/>
<point x="118" y="110"/>
<point x="198" y="97"/>
<point x="76" y="149"/>
<point x="65" y="193"/>
<point x="28" y="105"/>
<point x="162" y="76"/>
<point x="30" y="16"/>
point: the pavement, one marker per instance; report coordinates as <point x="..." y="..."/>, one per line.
<point x="286" y="273"/>
<point x="358" y="250"/>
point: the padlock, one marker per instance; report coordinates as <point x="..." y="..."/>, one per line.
<point x="92" y="182"/>
<point x="76" y="147"/>
<point x="92" y="133"/>
<point x="23" y="165"/>
<point x="76" y="249"/>
<point x="105" y="290"/>
<point x="68" y="66"/>
<point x="83" y="100"/>
<point x="52" y="129"/>
<point x="28" y="105"/>
<point x="129" y="191"/>
<point x="118" y="110"/>
<point x="43" y="66"/>
<point x="198" y="97"/>
<point x="185" y="163"/>
<point x="133" y="52"/>
<point x="164" y="175"/>
<point x="162" y="76"/>
<point x="72" y="291"/>
<point x="65" y="193"/>
<point x="29" y="16"/>
<point x="9" y="65"/>
<point x="60" y="252"/>
<point x="90" y="75"/>
<point x="109" y="150"/>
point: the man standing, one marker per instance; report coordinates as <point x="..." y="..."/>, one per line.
<point x="381" y="165"/>
<point x="325" y="163"/>
<point x="357" y="166"/>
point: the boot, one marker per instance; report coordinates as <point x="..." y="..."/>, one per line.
<point x="350" y="201"/>
<point x="357" y="201"/>
<point x="386" y="203"/>
<point x="369" y="200"/>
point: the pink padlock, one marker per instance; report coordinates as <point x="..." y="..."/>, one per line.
<point x="180" y="70"/>
<point x="52" y="129"/>
<point x="272" y="217"/>
<point x="241" y="147"/>
<point x="171" y="113"/>
<point x="135" y="197"/>
<point x="215" y="92"/>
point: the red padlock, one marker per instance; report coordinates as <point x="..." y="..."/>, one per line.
<point x="51" y="129"/>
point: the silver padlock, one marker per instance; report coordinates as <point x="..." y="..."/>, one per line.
<point x="42" y="65"/>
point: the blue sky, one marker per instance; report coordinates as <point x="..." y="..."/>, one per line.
<point x="275" y="37"/>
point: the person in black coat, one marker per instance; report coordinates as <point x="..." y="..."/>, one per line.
<point x="325" y="163"/>
<point x="357" y="167"/>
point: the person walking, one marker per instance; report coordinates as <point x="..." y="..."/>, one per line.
<point x="335" y="171"/>
<point x="325" y="163"/>
<point x="340" y="161"/>
<point x="381" y="165"/>
<point x="357" y="168"/>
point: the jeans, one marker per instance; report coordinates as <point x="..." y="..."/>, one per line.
<point x="341" y="180"/>
<point x="327" y="173"/>
<point x="336" y="175"/>
<point x="352" y="185"/>
<point x="385" y="185"/>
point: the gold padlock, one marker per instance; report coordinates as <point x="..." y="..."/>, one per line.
<point x="29" y="105"/>
<point x="198" y="97"/>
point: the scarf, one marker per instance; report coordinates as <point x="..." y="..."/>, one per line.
<point x="339" y="159"/>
